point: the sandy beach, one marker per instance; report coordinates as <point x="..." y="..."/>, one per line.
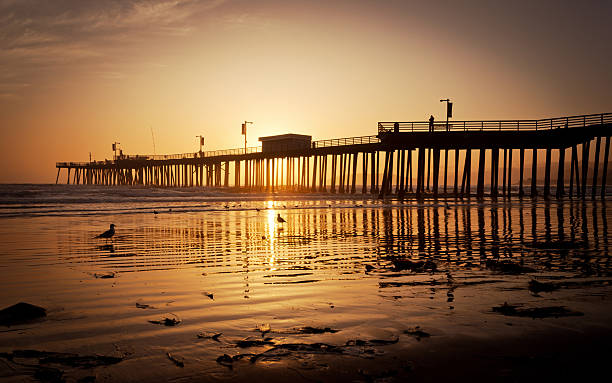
<point x="345" y="290"/>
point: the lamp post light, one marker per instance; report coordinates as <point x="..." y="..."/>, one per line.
<point x="244" y="132"/>
<point x="115" y="148"/>
<point x="449" y="110"/>
<point x="201" y="140"/>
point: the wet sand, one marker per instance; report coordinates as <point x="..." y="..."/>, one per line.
<point x="346" y="290"/>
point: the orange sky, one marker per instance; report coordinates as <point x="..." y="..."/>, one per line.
<point x="77" y="75"/>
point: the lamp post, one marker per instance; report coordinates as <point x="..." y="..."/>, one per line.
<point x="244" y="132"/>
<point x="115" y="148"/>
<point x="201" y="140"/>
<point x="449" y="110"/>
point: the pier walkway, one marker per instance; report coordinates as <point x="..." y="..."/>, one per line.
<point x="411" y="164"/>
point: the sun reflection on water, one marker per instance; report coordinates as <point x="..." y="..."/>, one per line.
<point x="271" y="229"/>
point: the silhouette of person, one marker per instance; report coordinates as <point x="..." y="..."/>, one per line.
<point x="431" y="123"/>
<point x="396" y="127"/>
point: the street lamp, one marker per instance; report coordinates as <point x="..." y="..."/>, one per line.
<point x="449" y="110"/>
<point x="115" y="148"/>
<point x="244" y="132"/>
<point x="201" y="143"/>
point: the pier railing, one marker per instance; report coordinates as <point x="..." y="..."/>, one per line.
<point x="227" y="152"/>
<point x="499" y="125"/>
<point x="345" y="141"/>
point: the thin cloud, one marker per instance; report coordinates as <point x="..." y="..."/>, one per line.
<point x="37" y="35"/>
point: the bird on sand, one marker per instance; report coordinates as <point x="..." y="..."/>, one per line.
<point x="108" y="234"/>
<point x="280" y="219"/>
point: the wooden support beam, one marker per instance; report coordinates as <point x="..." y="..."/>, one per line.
<point x="467" y="173"/>
<point x="481" y="171"/>
<point x="353" y="186"/>
<point x="389" y="189"/>
<point x="372" y="172"/>
<point x="576" y="169"/>
<point x="347" y="181"/>
<point x="401" y="161"/>
<point x="409" y="172"/>
<point x="385" y="179"/>
<point x="314" y="173"/>
<point x="364" y="172"/>
<point x="561" y="174"/>
<point x="333" y="172"/>
<point x="420" y="171"/>
<point x="547" y="173"/>
<point x="605" y="168"/>
<point x="428" y="168"/>
<point x="377" y="178"/>
<point x="456" y="175"/>
<point x="397" y="172"/>
<point x="595" y="168"/>
<point x="436" y="171"/>
<point x="494" y="171"/>
<point x="505" y="172"/>
<point x="341" y="175"/>
<point x="324" y="174"/>
<point x="521" y="192"/>
<point x="534" y="173"/>
<point x="585" y="167"/>
<point x="445" y="169"/>
<point x="509" y="192"/>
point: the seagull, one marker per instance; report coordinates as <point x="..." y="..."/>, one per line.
<point x="280" y="219"/>
<point x="108" y="234"/>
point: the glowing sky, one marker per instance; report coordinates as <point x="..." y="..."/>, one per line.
<point x="77" y="75"/>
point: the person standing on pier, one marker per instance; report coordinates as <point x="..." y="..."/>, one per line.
<point x="431" y="123"/>
<point x="396" y="127"/>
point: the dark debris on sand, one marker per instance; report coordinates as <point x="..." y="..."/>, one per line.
<point x="177" y="361"/>
<point x="21" y="313"/>
<point x="210" y="295"/>
<point x="143" y="306"/>
<point x="288" y="349"/>
<point x="43" y="363"/>
<point x="414" y="266"/>
<point x="507" y="267"/>
<point x="108" y="275"/>
<point x="316" y="330"/>
<point x="417" y="333"/>
<point x="253" y="342"/>
<point x="536" y="312"/>
<point x="209" y="335"/>
<point x="166" y="321"/>
<point x="537" y="287"/>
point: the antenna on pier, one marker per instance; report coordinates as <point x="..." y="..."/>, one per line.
<point x="153" y="137"/>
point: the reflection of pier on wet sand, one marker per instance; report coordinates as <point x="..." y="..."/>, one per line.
<point x="333" y="165"/>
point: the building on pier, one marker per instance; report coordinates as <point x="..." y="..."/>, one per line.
<point x="285" y="142"/>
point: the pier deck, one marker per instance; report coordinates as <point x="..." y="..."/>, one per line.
<point x="416" y="145"/>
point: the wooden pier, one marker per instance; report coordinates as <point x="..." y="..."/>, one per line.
<point x="403" y="159"/>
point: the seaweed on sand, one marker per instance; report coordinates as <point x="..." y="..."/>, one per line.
<point x="535" y="312"/>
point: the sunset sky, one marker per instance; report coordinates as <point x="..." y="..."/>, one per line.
<point x="77" y="75"/>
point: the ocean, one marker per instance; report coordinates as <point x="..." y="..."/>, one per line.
<point x="206" y="285"/>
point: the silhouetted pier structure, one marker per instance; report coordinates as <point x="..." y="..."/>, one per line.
<point x="404" y="159"/>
